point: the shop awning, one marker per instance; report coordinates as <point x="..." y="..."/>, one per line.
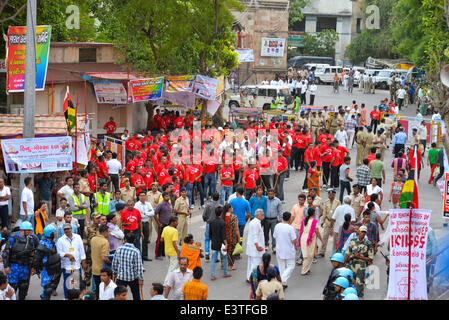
<point x="117" y="76"/>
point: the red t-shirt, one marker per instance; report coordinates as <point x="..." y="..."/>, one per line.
<point x="139" y="161"/>
<point x="343" y="153"/>
<point x="308" y="155"/>
<point x="412" y="159"/>
<point x="287" y="149"/>
<point x="129" y="144"/>
<point x="138" y="145"/>
<point x="328" y="153"/>
<point x="317" y="156"/>
<point x="131" y="166"/>
<point x="210" y="165"/>
<point x="302" y="141"/>
<point x="132" y="217"/>
<point x="371" y="157"/>
<point x="110" y="127"/>
<point x="192" y="172"/>
<point x="281" y="164"/>
<point x="179" y="122"/>
<point x="91" y="181"/>
<point x="148" y="177"/>
<point x="264" y="164"/>
<point x="336" y="155"/>
<point x="250" y="176"/>
<point x="137" y="179"/>
<point x="163" y="173"/>
<point x="226" y="173"/>
<point x="322" y="138"/>
<point x="102" y="169"/>
<point x="375" y="115"/>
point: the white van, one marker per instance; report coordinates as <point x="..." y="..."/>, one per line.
<point x="265" y="94"/>
<point x="383" y="78"/>
<point x="326" y="74"/>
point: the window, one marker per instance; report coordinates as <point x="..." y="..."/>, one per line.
<point x="87" y="54"/>
<point x="359" y="25"/>
<point x="272" y="92"/>
<point x="327" y="70"/>
<point x="299" y="26"/>
<point x="323" y="23"/>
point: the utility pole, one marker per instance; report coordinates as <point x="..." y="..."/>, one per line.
<point x="30" y="80"/>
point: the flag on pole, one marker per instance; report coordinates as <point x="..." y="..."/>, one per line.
<point x="409" y="195"/>
<point x="69" y="112"/>
<point x="416" y="164"/>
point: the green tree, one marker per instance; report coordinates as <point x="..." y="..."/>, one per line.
<point x="321" y="44"/>
<point x="295" y="11"/>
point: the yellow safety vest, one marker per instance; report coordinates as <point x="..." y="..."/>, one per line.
<point x="77" y="202"/>
<point x="102" y="203"/>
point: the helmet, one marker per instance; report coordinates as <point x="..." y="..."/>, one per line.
<point x="49" y="230"/>
<point x="26" y="225"/>
<point x="351" y="296"/>
<point x="345" y="272"/>
<point x="349" y="291"/>
<point x="342" y="282"/>
<point x="338" y="257"/>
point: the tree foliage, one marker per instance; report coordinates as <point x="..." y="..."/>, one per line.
<point x="320" y="44"/>
<point x="295" y="11"/>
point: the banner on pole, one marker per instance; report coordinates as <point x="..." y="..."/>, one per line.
<point x="245" y="55"/>
<point x="205" y="87"/>
<point x="179" y="83"/>
<point x="37" y="154"/>
<point x="82" y="151"/>
<point x="15" y="60"/>
<point x="399" y="254"/>
<point x="446" y="196"/>
<point x="111" y="92"/>
<point x="146" y="89"/>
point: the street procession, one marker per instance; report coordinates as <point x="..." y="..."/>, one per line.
<point x="224" y="150"/>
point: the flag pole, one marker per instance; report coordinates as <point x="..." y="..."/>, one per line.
<point x="76" y="137"/>
<point x="409" y="250"/>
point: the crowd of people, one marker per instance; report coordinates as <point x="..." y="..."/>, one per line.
<point x="97" y="223"/>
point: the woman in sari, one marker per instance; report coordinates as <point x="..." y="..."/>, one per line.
<point x="343" y="234"/>
<point x="192" y="251"/>
<point x="313" y="177"/>
<point x="232" y="233"/>
<point x="259" y="273"/>
<point x="40" y="219"/>
<point x="307" y="240"/>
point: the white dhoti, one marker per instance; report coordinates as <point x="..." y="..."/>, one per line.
<point x="286" y="267"/>
<point x="252" y="263"/>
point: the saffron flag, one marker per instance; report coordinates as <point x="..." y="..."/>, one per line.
<point x="409" y="195"/>
<point x="69" y="112"/>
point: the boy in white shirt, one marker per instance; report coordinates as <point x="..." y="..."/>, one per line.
<point x="107" y="286"/>
<point x="6" y="291"/>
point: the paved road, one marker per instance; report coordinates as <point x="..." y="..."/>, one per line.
<point x="300" y="287"/>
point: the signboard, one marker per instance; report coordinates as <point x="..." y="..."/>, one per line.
<point x="111" y="92"/>
<point x="146" y="89"/>
<point x="205" y="87"/>
<point x="37" y="154"/>
<point x="272" y="47"/>
<point x="446" y="196"/>
<point x="399" y="254"/>
<point x="410" y="125"/>
<point x="117" y="146"/>
<point x="179" y="83"/>
<point x="295" y="39"/>
<point x="245" y="55"/>
<point x="15" y="60"/>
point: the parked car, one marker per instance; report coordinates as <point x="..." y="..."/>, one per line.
<point x="326" y="74"/>
<point x="265" y="95"/>
<point x="369" y="72"/>
<point x="383" y="78"/>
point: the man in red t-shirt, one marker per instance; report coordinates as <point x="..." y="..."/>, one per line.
<point x="210" y="167"/>
<point x="317" y="155"/>
<point x="250" y="176"/>
<point x="326" y="154"/>
<point x="110" y="126"/>
<point x="335" y="164"/>
<point x="281" y="167"/>
<point x="137" y="180"/>
<point x="371" y="156"/>
<point x="148" y="173"/>
<point x="227" y="179"/>
<point x="131" y="220"/>
<point x="193" y="176"/>
<point x="375" y="118"/>
<point x="308" y="157"/>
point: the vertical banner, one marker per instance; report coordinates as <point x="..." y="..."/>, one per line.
<point x="82" y="152"/>
<point x="398" y="283"/>
<point x="15" y="60"/>
<point x="117" y="146"/>
<point x="446" y="196"/>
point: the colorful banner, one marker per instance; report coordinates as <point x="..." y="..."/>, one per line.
<point x="179" y="83"/>
<point x="446" y="196"/>
<point x="182" y="97"/>
<point x="117" y="146"/>
<point x="245" y="55"/>
<point x="110" y="92"/>
<point x="146" y="89"/>
<point x="15" y="60"/>
<point x="205" y="87"/>
<point x="399" y="254"/>
<point x="37" y="154"/>
<point x="272" y="47"/>
<point x="82" y="152"/>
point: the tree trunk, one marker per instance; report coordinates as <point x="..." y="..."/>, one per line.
<point x="150" y="110"/>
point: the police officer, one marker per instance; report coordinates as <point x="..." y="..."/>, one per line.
<point x="17" y="258"/>
<point x="369" y="137"/>
<point x="48" y="262"/>
<point x="329" y="207"/>
<point x="338" y="261"/>
<point x="90" y="232"/>
<point x="360" y="254"/>
<point x="326" y="118"/>
<point x="314" y="124"/>
<point x="340" y="284"/>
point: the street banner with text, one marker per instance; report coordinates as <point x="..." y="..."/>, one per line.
<point x="110" y="92"/>
<point x="205" y="87"/>
<point x="146" y="89"/>
<point x="179" y="83"/>
<point x="15" y="59"/>
<point x="37" y="154"/>
<point x="398" y="285"/>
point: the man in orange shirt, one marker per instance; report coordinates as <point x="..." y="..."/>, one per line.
<point x="195" y="289"/>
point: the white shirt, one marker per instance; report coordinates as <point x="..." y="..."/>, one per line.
<point x="303" y="88"/>
<point x="339" y="216"/>
<point x="341" y="137"/>
<point x="376" y="206"/>
<point x="312" y="89"/>
<point x="3" y="193"/>
<point x="66" y="191"/>
<point x="75" y="247"/>
<point x="108" y="293"/>
<point x="401" y="93"/>
<point x="3" y="293"/>
<point x="124" y="138"/>
<point x="146" y="210"/>
<point x="28" y="197"/>
<point x="373" y="79"/>
<point x="273" y="83"/>
<point x="370" y="190"/>
<point x="60" y="212"/>
<point x="114" y="166"/>
<point x="284" y="234"/>
<point x="255" y="235"/>
<point x="422" y="132"/>
<point x="365" y="78"/>
<point x="176" y="281"/>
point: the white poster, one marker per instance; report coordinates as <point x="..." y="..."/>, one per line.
<point x="272" y="47"/>
<point x="112" y="93"/>
<point x="81" y="150"/>
<point x="245" y="55"/>
<point x="399" y="254"/>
